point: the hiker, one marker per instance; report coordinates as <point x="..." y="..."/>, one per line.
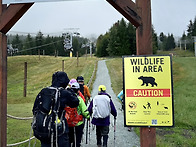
<point x="120" y="96"/>
<point x="77" y="124"/>
<point x="84" y="89"/>
<point x="100" y="108"/>
<point x="45" y="125"/>
<point x="80" y="93"/>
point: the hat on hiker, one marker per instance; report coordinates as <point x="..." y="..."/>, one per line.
<point x="80" y="79"/>
<point x="102" y="88"/>
<point x="75" y="86"/>
<point x="72" y="81"/>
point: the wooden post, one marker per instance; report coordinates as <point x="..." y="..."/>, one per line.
<point x="86" y="53"/>
<point x="39" y="53"/>
<point x="144" y="31"/>
<point x="8" y="17"/>
<point x="62" y="65"/>
<point x="77" y="59"/>
<point x="3" y="90"/>
<point x="25" y="79"/>
<point x="144" y="47"/>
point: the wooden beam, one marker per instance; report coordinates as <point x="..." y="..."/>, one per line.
<point x="3" y="90"/>
<point x="128" y="9"/>
<point x="11" y="15"/>
<point x="8" y="17"/>
<point x="144" y="31"/>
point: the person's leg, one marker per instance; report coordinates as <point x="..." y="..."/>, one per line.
<point x="104" y="133"/>
<point x="63" y="140"/>
<point x="71" y="135"/>
<point x="45" y="144"/>
<point x="98" y="134"/>
<point x="79" y="133"/>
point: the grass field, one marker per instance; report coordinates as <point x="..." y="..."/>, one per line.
<point x="39" y="75"/>
<point x="183" y="134"/>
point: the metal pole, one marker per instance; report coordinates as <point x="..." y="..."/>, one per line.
<point x="86" y="53"/>
<point x="185" y="45"/>
<point x="90" y="49"/>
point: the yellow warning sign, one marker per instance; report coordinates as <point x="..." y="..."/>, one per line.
<point x="148" y="89"/>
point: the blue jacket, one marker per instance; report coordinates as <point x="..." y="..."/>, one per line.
<point x="103" y="121"/>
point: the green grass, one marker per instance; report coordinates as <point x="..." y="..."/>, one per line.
<point x="39" y="75"/>
<point x="183" y="134"/>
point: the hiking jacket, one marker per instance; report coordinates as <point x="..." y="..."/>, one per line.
<point x="82" y="110"/>
<point x="86" y="92"/>
<point x="100" y="99"/>
<point x="120" y="95"/>
<point x="67" y="97"/>
<point x="81" y="95"/>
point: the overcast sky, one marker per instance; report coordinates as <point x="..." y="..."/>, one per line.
<point x="97" y="16"/>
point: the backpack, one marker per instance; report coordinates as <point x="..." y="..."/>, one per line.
<point x="101" y="106"/>
<point x="72" y="116"/>
<point x="45" y="112"/>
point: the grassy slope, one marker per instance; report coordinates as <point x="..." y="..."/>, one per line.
<point x="184" y="75"/>
<point x="39" y="76"/>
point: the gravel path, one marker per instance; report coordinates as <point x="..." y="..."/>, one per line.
<point x="124" y="138"/>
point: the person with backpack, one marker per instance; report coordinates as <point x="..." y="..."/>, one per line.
<point x="75" y="119"/>
<point x="80" y="93"/>
<point x="50" y="125"/>
<point x="100" y="108"/>
<point x="84" y="89"/>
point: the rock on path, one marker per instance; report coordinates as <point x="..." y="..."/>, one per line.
<point x="124" y="138"/>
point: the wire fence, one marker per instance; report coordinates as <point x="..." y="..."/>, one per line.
<point x="28" y="118"/>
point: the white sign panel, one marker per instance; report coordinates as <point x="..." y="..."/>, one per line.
<point x="29" y="1"/>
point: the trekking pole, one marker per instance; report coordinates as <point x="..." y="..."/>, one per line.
<point x="74" y="137"/>
<point x="87" y="131"/>
<point x="114" y="131"/>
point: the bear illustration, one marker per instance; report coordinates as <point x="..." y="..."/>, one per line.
<point x="148" y="80"/>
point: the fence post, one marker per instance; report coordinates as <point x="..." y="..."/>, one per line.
<point x="39" y="53"/>
<point x="25" y="79"/>
<point x="62" y="65"/>
<point x="77" y="59"/>
<point x="195" y="44"/>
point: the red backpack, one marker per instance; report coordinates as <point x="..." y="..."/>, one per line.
<point x="72" y="116"/>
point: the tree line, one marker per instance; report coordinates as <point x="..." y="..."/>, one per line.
<point x="187" y="38"/>
<point x="46" y="45"/>
<point x="119" y="40"/>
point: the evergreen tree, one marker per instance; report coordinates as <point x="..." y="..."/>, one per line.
<point x="39" y="40"/>
<point x="102" y="45"/>
<point x="154" y="41"/>
<point x="28" y="44"/>
<point x="17" y="43"/>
